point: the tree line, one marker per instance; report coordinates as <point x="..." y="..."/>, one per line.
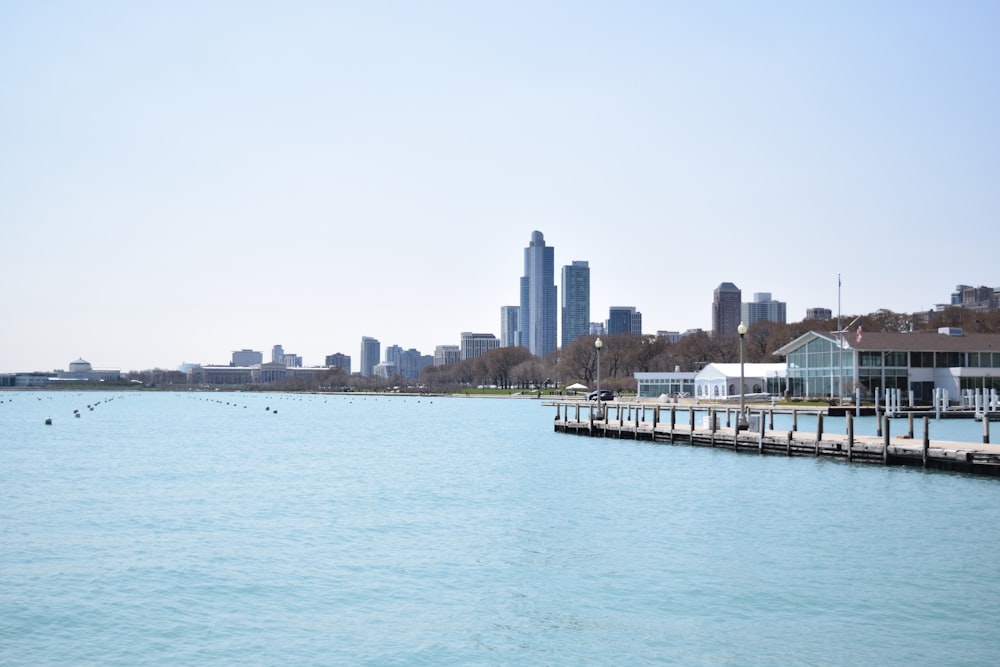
<point x="622" y="355"/>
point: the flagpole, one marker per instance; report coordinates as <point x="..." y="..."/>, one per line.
<point x="840" y="349"/>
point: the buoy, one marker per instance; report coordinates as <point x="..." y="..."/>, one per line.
<point x="48" y="421"/>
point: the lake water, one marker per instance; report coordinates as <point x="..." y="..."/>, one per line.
<point x="166" y="529"/>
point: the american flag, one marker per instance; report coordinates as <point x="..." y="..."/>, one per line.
<point x="859" y="333"/>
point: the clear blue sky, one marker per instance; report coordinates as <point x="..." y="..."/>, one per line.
<point x="180" y="180"/>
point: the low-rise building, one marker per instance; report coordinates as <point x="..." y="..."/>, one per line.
<point x="831" y="365"/>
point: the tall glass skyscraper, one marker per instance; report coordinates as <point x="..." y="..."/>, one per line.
<point x="536" y="322"/>
<point x="575" y="302"/>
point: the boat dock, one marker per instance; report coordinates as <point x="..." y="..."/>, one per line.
<point x="715" y="426"/>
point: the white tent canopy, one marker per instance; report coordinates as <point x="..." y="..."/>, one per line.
<point x="577" y="387"/>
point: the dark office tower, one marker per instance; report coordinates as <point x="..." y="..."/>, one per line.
<point x="371" y="349"/>
<point x="536" y="322"/>
<point x="726" y="309"/>
<point x="575" y="302"/>
<point x="338" y="360"/>
<point x="624" y="319"/>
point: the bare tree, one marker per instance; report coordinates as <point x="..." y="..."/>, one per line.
<point x="578" y="360"/>
<point x="500" y="363"/>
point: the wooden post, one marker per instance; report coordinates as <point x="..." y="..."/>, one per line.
<point x="760" y="435"/>
<point x="770" y="419"/>
<point x="927" y="439"/>
<point x="656" y="416"/>
<point x="795" y="420"/>
<point x="788" y="447"/>
<point x="885" y="441"/>
<point x="910" y="420"/>
<point x="819" y="430"/>
<point x="850" y="437"/>
<point x="673" y="422"/>
<point x="986" y="427"/>
<point x="878" y="419"/>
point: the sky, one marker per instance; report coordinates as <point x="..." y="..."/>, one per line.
<point x="181" y="180"/>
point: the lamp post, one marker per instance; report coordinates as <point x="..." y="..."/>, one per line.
<point x="741" y="420"/>
<point x="600" y="409"/>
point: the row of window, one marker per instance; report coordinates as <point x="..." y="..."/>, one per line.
<point x="814" y="357"/>
<point x="931" y="359"/>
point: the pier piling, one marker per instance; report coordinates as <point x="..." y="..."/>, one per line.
<point x="704" y="429"/>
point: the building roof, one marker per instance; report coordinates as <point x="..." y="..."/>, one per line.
<point x="923" y="341"/>
<point x="729" y="370"/>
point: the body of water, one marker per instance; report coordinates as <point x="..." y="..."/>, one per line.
<point x="272" y="529"/>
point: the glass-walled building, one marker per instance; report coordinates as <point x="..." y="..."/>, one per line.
<point x="821" y="366"/>
<point x="654" y="385"/>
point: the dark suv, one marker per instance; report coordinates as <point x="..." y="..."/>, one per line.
<point x="606" y="395"/>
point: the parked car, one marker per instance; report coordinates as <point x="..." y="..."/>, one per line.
<point x="606" y="395"/>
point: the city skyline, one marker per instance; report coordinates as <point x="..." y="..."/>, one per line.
<point x="309" y="174"/>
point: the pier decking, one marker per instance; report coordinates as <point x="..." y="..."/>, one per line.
<point x="659" y="423"/>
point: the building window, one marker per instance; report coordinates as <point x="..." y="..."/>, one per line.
<point x="896" y="359"/>
<point x="949" y="360"/>
<point x="871" y="359"/>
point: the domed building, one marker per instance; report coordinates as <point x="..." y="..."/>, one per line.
<point x="82" y="371"/>
<point x="80" y="366"/>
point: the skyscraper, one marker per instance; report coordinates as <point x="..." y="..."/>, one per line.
<point x="726" y="309"/>
<point x="477" y="344"/>
<point x="763" y="307"/>
<point x="536" y="321"/>
<point x="508" y="326"/>
<point x="624" y="319"/>
<point x="392" y="354"/>
<point x="247" y="357"/>
<point x="338" y="360"/>
<point x="575" y="301"/>
<point x="370" y="351"/>
<point x="447" y="354"/>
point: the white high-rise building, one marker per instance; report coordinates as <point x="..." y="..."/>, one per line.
<point x="763" y="308"/>
<point x="477" y="344"/>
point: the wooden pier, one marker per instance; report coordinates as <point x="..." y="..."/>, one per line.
<point x="659" y="423"/>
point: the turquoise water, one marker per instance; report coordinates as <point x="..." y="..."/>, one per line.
<point x="165" y="529"/>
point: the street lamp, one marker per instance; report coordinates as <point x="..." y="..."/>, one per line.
<point x="600" y="409"/>
<point x="741" y="420"/>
